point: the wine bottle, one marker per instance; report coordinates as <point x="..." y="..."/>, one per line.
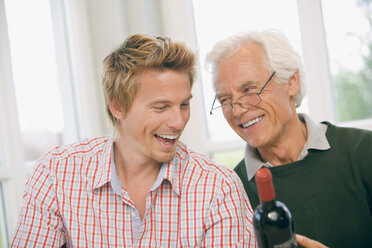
<point x="272" y="220"/>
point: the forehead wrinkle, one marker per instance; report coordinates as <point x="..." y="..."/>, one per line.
<point x="237" y="68"/>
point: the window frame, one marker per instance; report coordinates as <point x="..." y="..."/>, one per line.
<point x="11" y="168"/>
<point x="313" y="36"/>
<point x="14" y="169"/>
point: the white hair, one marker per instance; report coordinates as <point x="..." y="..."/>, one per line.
<point x="282" y="57"/>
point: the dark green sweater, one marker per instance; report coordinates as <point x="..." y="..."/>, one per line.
<point x="329" y="193"/>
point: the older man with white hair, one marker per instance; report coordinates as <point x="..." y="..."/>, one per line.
<point x="322" y="172"/>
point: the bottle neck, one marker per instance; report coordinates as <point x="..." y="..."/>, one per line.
<point x="268" y="205"/>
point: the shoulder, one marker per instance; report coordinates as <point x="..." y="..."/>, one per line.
<point x="351" y="144"/>
<point x="348" y="135"/>
<point x="72" y="164"/>
<point x="83" y="155"/>
<point x="79" y="149"/>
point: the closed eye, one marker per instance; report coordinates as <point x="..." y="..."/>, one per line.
<point x="160" y="107"/>
<point x="185" y="105"/>
<point x="224" y="100"/>
<point x="249" y="90"/>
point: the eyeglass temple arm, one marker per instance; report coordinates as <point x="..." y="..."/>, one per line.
<point x="210" y="112"/>
<point x="272" y="75"/>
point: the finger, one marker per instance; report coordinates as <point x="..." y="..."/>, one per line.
<point x="308" y="243"/>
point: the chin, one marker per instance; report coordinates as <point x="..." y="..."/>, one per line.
<point x="253" y="142"/>
<point x="258" y="144"/>
<point x="164" y="156"/>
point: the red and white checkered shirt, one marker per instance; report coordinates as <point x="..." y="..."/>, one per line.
<point x="70" y="199"/>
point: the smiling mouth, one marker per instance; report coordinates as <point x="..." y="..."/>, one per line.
<point x="166" y="138"/>
<point x="251" y="122"/>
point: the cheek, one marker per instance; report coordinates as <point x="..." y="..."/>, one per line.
<point x="227" y="113"/>
<point x="229" y="118"/>
<point x="186" y="115"/>
<point x="282" y="109"/>
<point x="151" y="122"/>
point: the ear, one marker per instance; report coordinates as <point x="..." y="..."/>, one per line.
<point x="116" y="110"/>
<point x="294" y="84"/>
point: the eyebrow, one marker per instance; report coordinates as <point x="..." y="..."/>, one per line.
<point x="219" y="95"/>
<point x="246" y="84"/>
<point x="157" y="101"/>
<point x="240" y="88"/>
<point x="188" y="99"/>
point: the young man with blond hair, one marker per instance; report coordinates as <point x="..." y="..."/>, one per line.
<point x="141" y="187"/>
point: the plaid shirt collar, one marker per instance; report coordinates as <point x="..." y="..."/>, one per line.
<point x="106" y="170"/>
<point x="103" y="174"/>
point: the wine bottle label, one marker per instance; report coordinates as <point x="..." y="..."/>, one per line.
<point x="290" y="243"/>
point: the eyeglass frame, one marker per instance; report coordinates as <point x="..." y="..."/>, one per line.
<point x="236" y="102"/>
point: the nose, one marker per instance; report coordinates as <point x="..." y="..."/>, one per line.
<point x="178" y="119"/>
<point x="237" y="109"/>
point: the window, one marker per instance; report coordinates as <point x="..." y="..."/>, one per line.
<point x="35" y="75"/>
<point x="34" y="71"/>
<point x="350" y="56"/>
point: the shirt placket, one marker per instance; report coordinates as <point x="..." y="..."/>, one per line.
<point x="141" y="237"/>
<point x="133" y="212"/>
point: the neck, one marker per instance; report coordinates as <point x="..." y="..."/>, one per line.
<point x="131" y="167"/>
<point x="136" y="173"/>
<point x="288" y="147"/>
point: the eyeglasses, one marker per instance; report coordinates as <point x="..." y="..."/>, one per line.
<point x="246" y="101"/>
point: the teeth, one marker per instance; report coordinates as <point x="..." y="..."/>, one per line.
<point x="167" y="136"/>
<point x="250" y="123"/>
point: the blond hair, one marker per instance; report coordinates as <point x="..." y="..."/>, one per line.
<point x="138" y="53"/>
